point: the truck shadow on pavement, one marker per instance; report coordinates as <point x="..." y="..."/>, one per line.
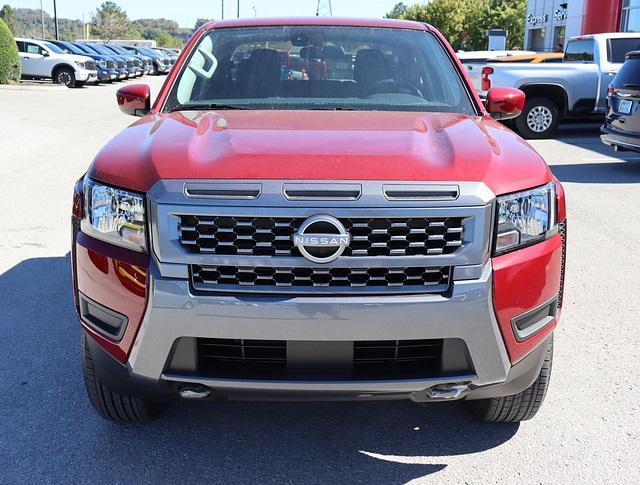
<point x="50" y="433"/>
<point x="600" y="163"/>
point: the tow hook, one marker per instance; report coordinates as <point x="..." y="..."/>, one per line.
<point x="446" y="391"/>
<point x="194" y="392"/>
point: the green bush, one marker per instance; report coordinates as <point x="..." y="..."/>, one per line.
<point x="9" y="59"/>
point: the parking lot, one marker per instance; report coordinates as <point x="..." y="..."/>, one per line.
<point x="588" y="430"/>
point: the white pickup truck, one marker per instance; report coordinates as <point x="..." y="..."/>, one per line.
<point x="574" y="88"/>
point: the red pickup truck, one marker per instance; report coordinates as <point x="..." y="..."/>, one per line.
<point x="318" y="208"/>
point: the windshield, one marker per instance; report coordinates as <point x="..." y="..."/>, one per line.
<point x="69" y="47"/>
<point x="54" y="48"/>
<point x="101" y="49"/>
<point x="320" y="67"/>
<point x="119" y="49"/>
<point x="85" y="48"/>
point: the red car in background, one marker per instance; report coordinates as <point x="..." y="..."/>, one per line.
<point x="367" y="230"/>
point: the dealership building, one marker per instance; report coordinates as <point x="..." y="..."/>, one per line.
<point x="550" y="23"/>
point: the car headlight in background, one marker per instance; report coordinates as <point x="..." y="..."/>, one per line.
<point x="114" y="215"/>
<point x="525" y="218"/>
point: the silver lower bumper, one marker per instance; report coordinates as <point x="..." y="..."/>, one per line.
<point x="467" y="314"/>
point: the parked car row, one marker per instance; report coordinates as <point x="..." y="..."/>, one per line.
<point x="75" y="64"/>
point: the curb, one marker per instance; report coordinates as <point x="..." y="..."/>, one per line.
<point x="32" y="87"/>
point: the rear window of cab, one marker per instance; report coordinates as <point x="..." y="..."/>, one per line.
<point x="320" y="67"/>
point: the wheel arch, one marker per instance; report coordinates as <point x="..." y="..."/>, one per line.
<point x="554" y="92"/>
<point x="59" y="66"/>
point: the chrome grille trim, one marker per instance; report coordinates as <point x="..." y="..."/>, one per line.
<point x="320" y="280"/>
<point x="167" y="201"/>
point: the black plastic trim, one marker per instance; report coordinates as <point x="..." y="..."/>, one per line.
<point x="534" y="321"/>
<point x="90" y="311"/>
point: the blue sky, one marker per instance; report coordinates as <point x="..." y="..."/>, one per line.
<point x="185" y="12"/>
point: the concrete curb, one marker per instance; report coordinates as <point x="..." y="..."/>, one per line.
<point x="32" y="87"/>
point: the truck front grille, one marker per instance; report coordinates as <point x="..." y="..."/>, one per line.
<point x="267" y="359"/>
<point x="319" y="280"/>
<point x="90" y="65"/>
<point x="272" y="236"/>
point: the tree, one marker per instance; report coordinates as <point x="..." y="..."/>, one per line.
<point x="9" y="59"/>
<point x="465" y="22"/>
<point x="110" y="22"/>
<point x="398" y="11"/>
<point x="8" y="15"/>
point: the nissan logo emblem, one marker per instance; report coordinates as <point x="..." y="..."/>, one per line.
<point x="321" y="239"/>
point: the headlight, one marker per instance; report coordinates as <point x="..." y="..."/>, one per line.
<point x="103" y="63"/>
<point x="80" y="64"/>
<point x="114" y="215"/>
<point x="525" y="218"/>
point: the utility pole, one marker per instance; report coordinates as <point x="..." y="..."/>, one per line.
<point x="222" y="3"/>
<point x="42" y="19"/>
<point x="324" y="8"/>
<point x="238" y="8"/>
<point x="55" y="18"/>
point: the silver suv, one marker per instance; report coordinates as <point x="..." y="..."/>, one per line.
<point x="43" y="60"/>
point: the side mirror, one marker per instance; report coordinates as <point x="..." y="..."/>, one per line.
<point x="505" y="103"/>
<point x="135" y="99"/>
<point x="44" y="53"/>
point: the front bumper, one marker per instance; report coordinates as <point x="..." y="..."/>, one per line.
<point x="86" y="76"/>
<point x="466" y="314"/>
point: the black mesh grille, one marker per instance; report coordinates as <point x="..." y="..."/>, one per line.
<point x="326" y="279"/>
<point x="272" y="236"/>
<point x="267" y="359"/>
<point x="397" y="356"/>
<point x="90" y="65"/>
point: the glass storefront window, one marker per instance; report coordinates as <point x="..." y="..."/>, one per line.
<point x="536" y="39"/>
<point x="630" y="16"/>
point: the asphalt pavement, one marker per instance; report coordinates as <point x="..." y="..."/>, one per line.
<point x="588" y="430"/>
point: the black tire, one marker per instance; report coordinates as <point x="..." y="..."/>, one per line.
<point x="539" y="119"/>
<point x="521" y="406"/>
<point x="108" y="404"/>
<point x="66" y="76"/>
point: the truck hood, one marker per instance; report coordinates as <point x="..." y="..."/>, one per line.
<point x="74" y="57"/>
<point x="319" y="145"/>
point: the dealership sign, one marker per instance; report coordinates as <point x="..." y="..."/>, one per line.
<point x="560" y="14"/>
<point x="537" y="19"/>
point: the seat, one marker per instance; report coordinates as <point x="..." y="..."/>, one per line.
<point x="259" y="75"/>
<point x="369" y="68"/>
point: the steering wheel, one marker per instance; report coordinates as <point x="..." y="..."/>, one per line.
<point x="379" y="86"/>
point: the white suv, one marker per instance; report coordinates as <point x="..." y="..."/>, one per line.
<point x="43" y="60"/>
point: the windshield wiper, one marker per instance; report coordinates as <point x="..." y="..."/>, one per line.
<point x="205" y="106"/>
<point x="332" y="108"/>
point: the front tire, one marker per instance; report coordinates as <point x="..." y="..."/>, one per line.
<point x="108" y="404"/>
<point x="65" y="76"/>
<point x="539" y="119"/>
<point x="521" y="406"/>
